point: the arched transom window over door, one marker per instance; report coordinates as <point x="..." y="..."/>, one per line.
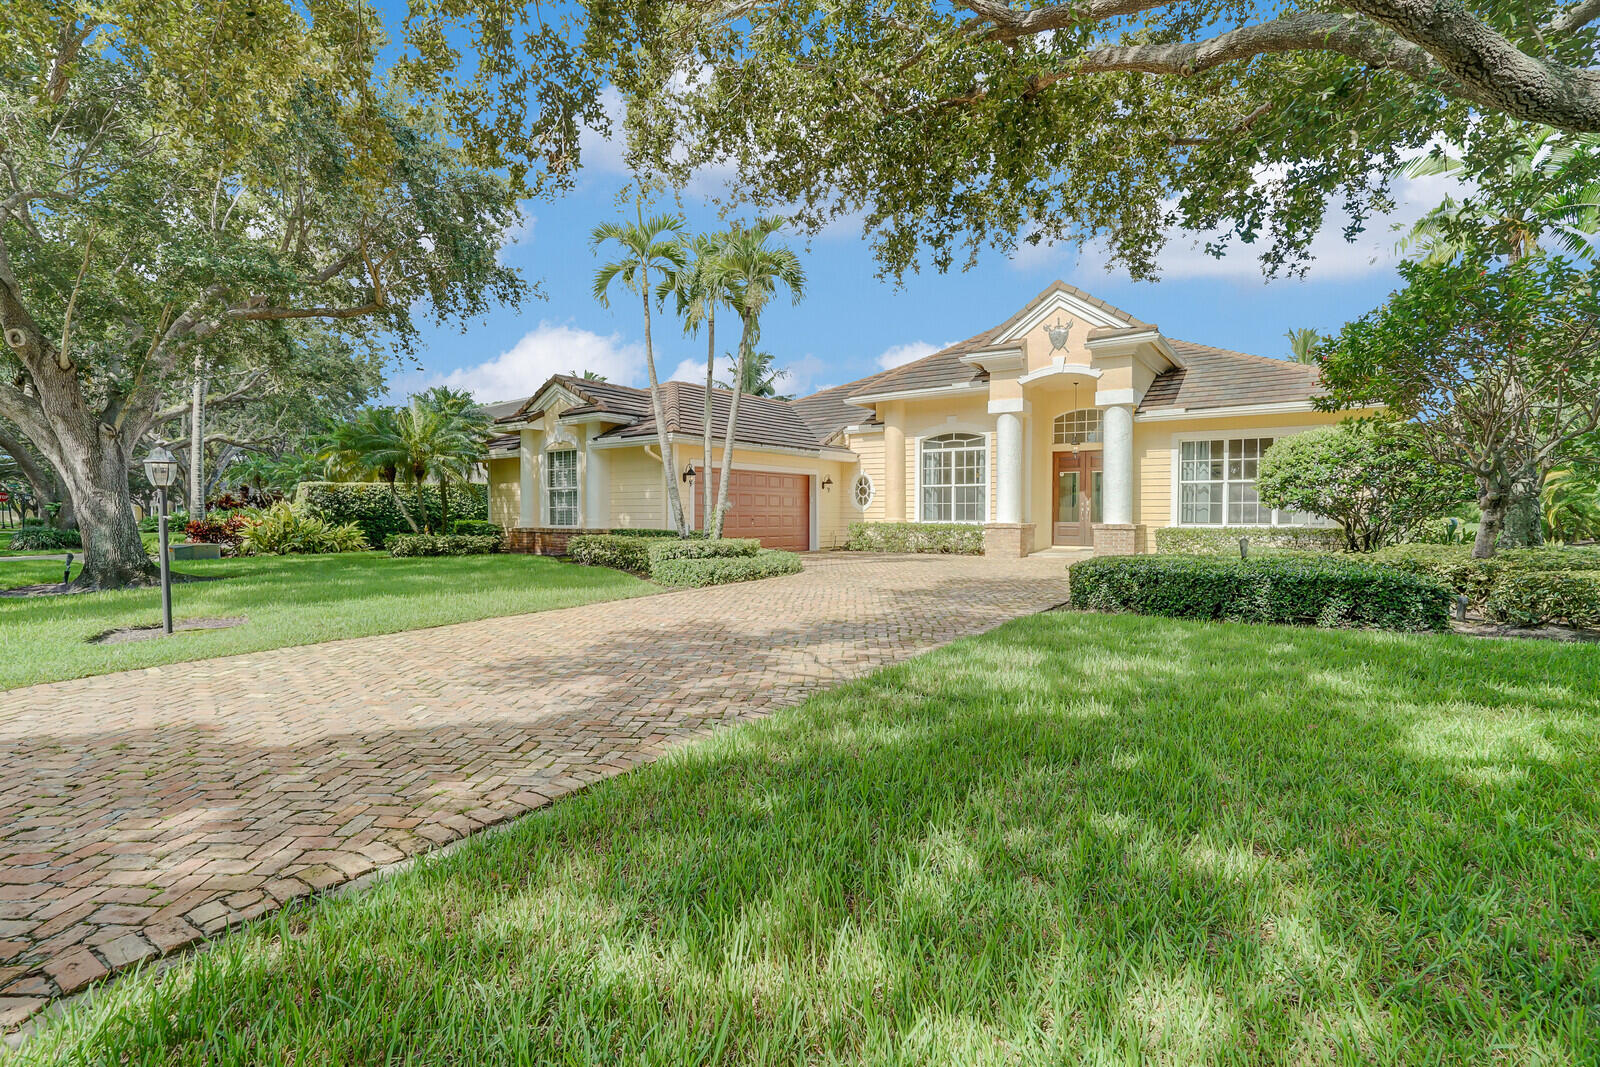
<point x="1078" y="427"/>
<point x="955" y="478"/>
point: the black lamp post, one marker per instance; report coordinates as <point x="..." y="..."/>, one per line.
<point x="161" y="470"/>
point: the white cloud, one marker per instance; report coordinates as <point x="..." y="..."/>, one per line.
<point x="692" y="371"/>
<point x="548" y="349"/>
<point x="898" y="355"/>
<point x="800" y="376"/>
<point x="1332" y="257"/>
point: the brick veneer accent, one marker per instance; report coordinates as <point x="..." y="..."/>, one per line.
<point x="539" y="540"/>
<point x="1008" y="540"/>
<point x="1114" y="539"/>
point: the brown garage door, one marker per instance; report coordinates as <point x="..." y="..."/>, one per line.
<point x="776" y="508"/>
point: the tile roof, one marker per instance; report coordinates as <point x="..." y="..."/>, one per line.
<point x="1218" y="377"/>
<point x="828" y="411"/>
<point x="1209" y="377"/>
<point x="762" y="420"/>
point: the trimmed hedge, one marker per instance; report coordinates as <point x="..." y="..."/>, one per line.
<point x="1319" y="591"/>
<point x="478" y="528"/>
<point x="1535" y="597"/>
<point x="720" y="570"/>
<point x="719" y="549"/>
<point x="1220" y="540"/>
<point x="646" y="531"/>
<point x="31" y="538"/>
<point x="372" y="507"/>
<point x="412" y="545"/>
<point x="1477" y="579"/>
<point x="947" y="538"/>
<point x="624" y="553"/>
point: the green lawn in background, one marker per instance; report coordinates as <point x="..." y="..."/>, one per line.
<point x="1077" y="839"/>
<point x="289" y="600"/>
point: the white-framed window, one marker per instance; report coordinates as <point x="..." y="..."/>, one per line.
<point x="561" y="487"/>
<point x="955" y="478"/>
<point x="1217" y="485"/>
<point x="1079" y="427"/>
<point x="862" y="491"/>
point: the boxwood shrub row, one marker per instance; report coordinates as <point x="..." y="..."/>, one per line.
<point x="1314" y="590"/>
<point x="1535" y="597"/>
<point x="719" y="570"/>
<point x="683" y="562"/>
<point x="1213" y="540"/>
<point x="411" y="545"/>
<point x="948" y="538"/>
<point x="1480" y="580"/>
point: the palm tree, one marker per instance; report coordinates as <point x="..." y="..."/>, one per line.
<point x="1571" y="501"/>
<point x="648" y="245"/>
<point x="368" y="448"/>
<point x="459" y="434"/>
<point x="1568" y="205"/>
<point x="751" y="272"/>
<point x="1303" y="344"/>
<point x="699" y="289"/>
<point x="589" y="376"/>
<point x="761" y="376"/>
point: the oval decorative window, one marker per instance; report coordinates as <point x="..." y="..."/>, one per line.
<point x="861" y="491"/>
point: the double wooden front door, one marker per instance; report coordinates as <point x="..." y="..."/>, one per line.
<point x="1077" y="498"/>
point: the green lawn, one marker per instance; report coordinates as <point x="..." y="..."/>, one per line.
<point x="289" y="600"/>
<point x="1079" y="839"/>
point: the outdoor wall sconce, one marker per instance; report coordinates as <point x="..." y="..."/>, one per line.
<point x="688" y="473"/>
<point x="827" y="483"/>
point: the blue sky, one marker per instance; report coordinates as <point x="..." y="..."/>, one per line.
<point x="851" y="323"/>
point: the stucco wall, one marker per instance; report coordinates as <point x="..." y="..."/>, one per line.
<point x="505" y="491"/>
<point x="1153" y="444"/>
<point x="941" y="415"/>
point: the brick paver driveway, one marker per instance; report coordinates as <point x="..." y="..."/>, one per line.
<point x="142" y="811"/>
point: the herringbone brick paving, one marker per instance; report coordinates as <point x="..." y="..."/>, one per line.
<point x="143" y="811"/>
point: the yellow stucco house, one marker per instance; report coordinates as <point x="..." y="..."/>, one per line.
<point x="1071" y="423"/>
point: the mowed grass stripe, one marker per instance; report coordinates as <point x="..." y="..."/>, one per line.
<point x="1077" y="839"/>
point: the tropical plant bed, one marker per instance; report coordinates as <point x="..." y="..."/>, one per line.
<point x="1079" y="838"/>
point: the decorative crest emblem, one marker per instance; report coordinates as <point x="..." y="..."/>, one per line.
<point x="1058" y="334"/>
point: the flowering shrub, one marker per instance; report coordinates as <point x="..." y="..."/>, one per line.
<point x="218" y="529"/>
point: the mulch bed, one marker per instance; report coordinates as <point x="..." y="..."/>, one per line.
<point x="126" y="634"/>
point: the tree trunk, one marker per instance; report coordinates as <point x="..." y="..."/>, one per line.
<point x="705" y="431"/>
<point x="95" y="470"/>
<point x="669" y="478"/>
<point x="1492" y="499"/>
<point x="401" y="504"/>
<point x="444" y="504"/>
<point x="1524" y="520"/>
<point x="197" y="442"/>
<point x="746" y="339"/>
<point x="47" y="485"/>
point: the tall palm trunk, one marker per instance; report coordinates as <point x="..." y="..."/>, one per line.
<point x="705" y="425"/>
<point x="197" y="442"/>
<point x="669" y="483"/>
<point x="746" y="342"/>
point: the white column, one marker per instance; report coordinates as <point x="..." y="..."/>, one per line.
<point x="1117" y="426"/>
<point x="1008" y="490"/>
<point x="527" y="458"/>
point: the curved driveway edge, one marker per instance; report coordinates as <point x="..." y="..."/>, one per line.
<point x="143" y="811"/>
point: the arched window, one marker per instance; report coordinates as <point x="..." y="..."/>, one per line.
<point x="955" y="478"/>
<point x="1078" y="427"/>
<point x="861" y="491"/>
